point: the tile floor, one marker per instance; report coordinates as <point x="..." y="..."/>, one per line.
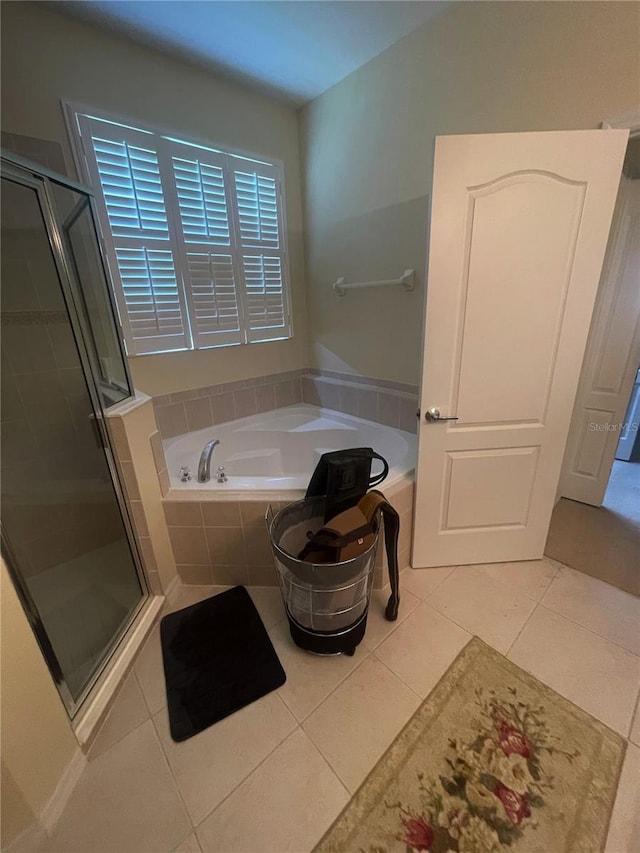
<point x="274" y="776"/>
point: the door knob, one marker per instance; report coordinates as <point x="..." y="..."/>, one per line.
<point x="433" y="414"/>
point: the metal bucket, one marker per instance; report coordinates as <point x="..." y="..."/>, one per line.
<point x="326" y="603"/>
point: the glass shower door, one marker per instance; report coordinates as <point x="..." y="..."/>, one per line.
<point x="64" y="535"/>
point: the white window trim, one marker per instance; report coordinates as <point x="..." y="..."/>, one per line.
<point x="71" y="109"/>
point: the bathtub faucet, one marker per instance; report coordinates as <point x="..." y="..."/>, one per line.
<point x="204" y="466"/>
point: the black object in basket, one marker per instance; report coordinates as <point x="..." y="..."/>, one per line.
<point x="217" y="658"/>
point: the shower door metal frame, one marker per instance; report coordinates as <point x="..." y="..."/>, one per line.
<point x="20" y="171"/>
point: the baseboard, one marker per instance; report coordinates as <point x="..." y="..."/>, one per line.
<point x="53" y="809"/>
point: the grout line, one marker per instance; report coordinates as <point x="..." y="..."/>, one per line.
<point x="251" y="772"/>
<point x="368" y="653"/>
<point x="589" y="630"/>
<point x="526" y="622"/>
<point x="173" y="777"/>
<point x="421" y="699"/>
<point x="438" y="585"/>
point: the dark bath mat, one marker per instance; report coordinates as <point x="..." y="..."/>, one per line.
<point x="217" y="658"/>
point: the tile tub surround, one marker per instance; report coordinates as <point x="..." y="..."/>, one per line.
<point x="393" y="404"/>
<point x="389" y="403"/>
<point x="137" y="448"/>
<point x="227" y="543"/>
<point x="187" y="411"/>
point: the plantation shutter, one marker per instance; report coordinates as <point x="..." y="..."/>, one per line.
<point x="209" y="271"/>
<point x="142" y="255"/>
<point x="194" y="239"/>
<point x="260" y="227"/>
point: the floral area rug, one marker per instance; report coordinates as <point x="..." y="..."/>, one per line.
<point x="492" y="761"/>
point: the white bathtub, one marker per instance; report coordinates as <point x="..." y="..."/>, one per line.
<point x="274" y="454"/>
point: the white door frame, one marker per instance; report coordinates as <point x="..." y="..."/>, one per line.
<point x="566" y="487"/>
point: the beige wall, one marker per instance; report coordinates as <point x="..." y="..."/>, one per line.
<point x="37" y="741"/>
<point x="47" y="57"/>
<point x="368" y="149"/>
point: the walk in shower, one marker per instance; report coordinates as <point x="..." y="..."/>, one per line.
<point x="66" y="536"/>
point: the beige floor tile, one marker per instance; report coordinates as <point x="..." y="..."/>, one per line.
<point x="268" y="601"/>
<point x="422" y="582"/>
<point x="211" y="764"/>
<point x="285" y="805"/>
<point x="149" y="672"/>
<point x="128" y="712"/>
<point x="598" y="606"/>
<point x="378" y="628"/>
<point x="354" y="726"/>
<point x="528" y="577"/>
<point x="594" y="673"/>
<point x="624" y="829"/>
<point x="125" y="801"/>
<point x="422" y="648"/>
<point x="634" y="735"/>
<point x="482" y="605"/>
<point x="310" y="678"/>
<point x="189" y="845"/>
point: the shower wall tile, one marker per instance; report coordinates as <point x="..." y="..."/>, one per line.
<point x="63" y="345"/>
<point x="27" y="348"/>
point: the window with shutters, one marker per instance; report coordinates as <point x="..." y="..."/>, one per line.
<point x="194" y="237"/>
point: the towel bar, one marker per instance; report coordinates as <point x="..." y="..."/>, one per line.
<point x="407" y="280"/>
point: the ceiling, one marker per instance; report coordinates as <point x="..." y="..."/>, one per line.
<point x="292" y="50"/>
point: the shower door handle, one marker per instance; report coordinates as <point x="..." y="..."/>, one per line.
<point x="433" y="414"/>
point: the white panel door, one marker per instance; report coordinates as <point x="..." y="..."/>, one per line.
<point x="519" y="227"/>
<point x="611" y="360"/>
